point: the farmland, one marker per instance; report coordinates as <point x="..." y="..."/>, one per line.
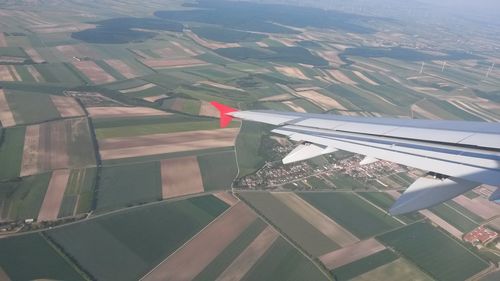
<point x="93" y="244"/>
<point x="108" y="140"/>
<point x="31" y="257"/>
<point x="121" y="186"/>
<point x="357" y="216"/>
<point x="436" y="254"/>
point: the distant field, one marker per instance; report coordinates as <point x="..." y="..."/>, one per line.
<point x="141" y="237"/>
<point x="30" y="257"/>
<point x="399" y="269"/>
<point x="356" y="215"/>
<point x="435" y="253"/>
<point x="121" y="186"/>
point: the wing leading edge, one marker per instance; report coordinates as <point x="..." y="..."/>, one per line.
<point x="466" y="154"/>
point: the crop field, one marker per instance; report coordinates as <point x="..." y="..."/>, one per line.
<point x="454" y="217"/>
<point x="156" y="128"/>
<point x="23" y="198"/>
<point x="286" y="220"/>
<point x="231" y="252"/>
<point x="79" y="192"/>
<point x="248" y="145"/>
<point x="180" y="176"/>
<point x="320" y="221"/>
<point x="385" y="201"/>
<point x="122" y="186"/>
<point x="29" y="108"/>
<point x="188" y="261"/>
<point x="218" y="170"/>
<point x="113" y="112"/>
<point x="115" y="148"/>
<point x="435" y="253"/>
<point x="55" y="145"/>
<point x="6" y="115"/>
<point x="31" y="257"/>
<point x="283" y="261"/>
<point x="399" y="269"/>
<point x="353" y="213"/>
<point x="53" y="197"/>
<point x="11" y="152"/>
<point x="363" y="265"/>
<point x="141" y="237"/>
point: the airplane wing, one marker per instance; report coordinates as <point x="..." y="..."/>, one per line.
<point x="460" y="155"/>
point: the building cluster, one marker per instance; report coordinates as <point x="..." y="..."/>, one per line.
<point x="480" y="236"/>
<point x="276" y="174"/>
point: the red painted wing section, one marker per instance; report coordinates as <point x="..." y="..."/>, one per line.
<point x="223" y="110"/>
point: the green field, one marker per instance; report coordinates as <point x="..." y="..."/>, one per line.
<point x="455" y="218"/>
<point x="397" y="270"/>
<point x="160" y="128"/>
<point x="31" y="108"/>
<point x="218" y="170"/>
<point x="80" y="146"/>
<point x="126" y="245"/>
<point x="231" y="252"/>
<point x="434" y="252"/>
<point x="385" y="201"/>
<point x="248" y="147"/>
<point x="79" y="192"/>
<point x="23" y="197"/>
<point x="286" y="220"/>
<point x="11" y="152"/>
<point x="366" y="264"/>
<point x="353" y="213"/>
<point x="30" y="257"/>
<point x="283" y="262"/>
<point x="127" y="185"/>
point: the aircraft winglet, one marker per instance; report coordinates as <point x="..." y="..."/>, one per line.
<point x="225" y="119"/>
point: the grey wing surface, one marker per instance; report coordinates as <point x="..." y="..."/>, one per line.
<point x="463" y="154"/>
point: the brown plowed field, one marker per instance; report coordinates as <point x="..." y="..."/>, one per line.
<point x="123" y="68"/>
<point x="54" y="196"/>
<point x="173" y="63"/>
<point x="34" y="55"/>
<point x="244" y="262"/>
<point x="114" y="148"/>
<point x="67" y="106"/>
<point x="180" y="176"/>
<point x="119" y="111"/>
<point x="5" y="74"/>
<point x="351" y="253"/>
<point x="228" y="198"/>
<point x="94" y="72"/>
<point x="194" y="256"/>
